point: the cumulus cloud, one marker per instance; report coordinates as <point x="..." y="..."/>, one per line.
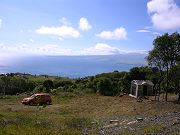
<point x="62" y="31"/>
<point x="84" y="24"/>
<point x="101" y="49"/>
<point x="165" y="14"/>
<point x="105" y="49"/>
<point x="118" y="33"/>
<point x="65" y="30"/>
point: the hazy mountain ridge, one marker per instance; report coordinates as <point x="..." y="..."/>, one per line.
<point x="75" y="66"/>
<point x="129" y="58"/>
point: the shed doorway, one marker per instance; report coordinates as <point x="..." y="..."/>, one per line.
<point x="145" y="90"/>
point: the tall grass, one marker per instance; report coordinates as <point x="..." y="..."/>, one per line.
<point x="152" y="128"/>
<point x="74" y="114"/>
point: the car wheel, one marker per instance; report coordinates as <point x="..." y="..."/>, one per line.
<point x="48" y="103"/>
<point x="31" y="103"/>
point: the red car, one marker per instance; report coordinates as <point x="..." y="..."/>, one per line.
<point x="41" y="98"/>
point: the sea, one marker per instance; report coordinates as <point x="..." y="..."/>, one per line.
<point x="74" y="66"/>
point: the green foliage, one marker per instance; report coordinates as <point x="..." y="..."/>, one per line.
<point x="104" y="86"/>
<point x="39" y="88"/>
<point x="152" y="129"/>
<point x="48" y="84"/>
<point x="70" y="132"/>
<point x="78" y="123"/>
<point x="25" y="130"/>
<point x="137" y="74"/>
<point x="11" y="84"/>
<point x="165" y="55"/>
<point x="175" y="80"/>
<point x="108" y="84"/>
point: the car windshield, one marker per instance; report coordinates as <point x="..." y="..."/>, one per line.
<point x="32" y="96"/>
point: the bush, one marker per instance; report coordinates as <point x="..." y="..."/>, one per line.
<point x="105" y="87"/>
<point x="39" y="88"/>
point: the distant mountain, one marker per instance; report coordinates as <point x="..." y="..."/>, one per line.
<point x="75" y="66"/>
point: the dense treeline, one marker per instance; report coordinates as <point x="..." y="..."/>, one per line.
<point x="163" y="71"/>
<point x="13" y="84"/>
<point x="109" y="84"/>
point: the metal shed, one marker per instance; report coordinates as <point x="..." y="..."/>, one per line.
<point x="140" y="88"/>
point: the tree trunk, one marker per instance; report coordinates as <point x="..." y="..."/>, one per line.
<point x="159" y="91"/>
<point x="163" y="94"/>
<point x="167" y="82"/>
<point x="166" y="95"/>
<point x="178" y="92"/>
<point x="155" y="93"/>
<point x="159" y="86"/>
<point x="4" y="90"/>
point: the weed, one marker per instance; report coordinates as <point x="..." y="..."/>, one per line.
<point x="78" y="123"/>
<point x="70" y="132"/>
<point x="152" y="128"/>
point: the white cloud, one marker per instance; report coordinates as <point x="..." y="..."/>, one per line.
<point x="0" y="23"/>
<point x="156" y="33"/>
<point x="165" y="14"/>
<point x="143" y="31"/>
<point x="105" y="49"/>
<point x="57" y="50"/>
<point x="65" y="30"/>
<point x="62" y="31"/>
<point x="25" y="49"/>
<point x="101" y="49"/>
<point x="52" y="50"/>
<point x="118" y="33"/>
<point x="84" y="24"/>
<point x="149" y="30"/>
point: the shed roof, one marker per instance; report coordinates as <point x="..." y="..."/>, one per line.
<point x="142" y="82"/>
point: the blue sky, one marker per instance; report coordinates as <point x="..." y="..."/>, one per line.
<point x="84" y="27"/>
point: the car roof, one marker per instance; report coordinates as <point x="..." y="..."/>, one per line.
<point x="41" y="94"/>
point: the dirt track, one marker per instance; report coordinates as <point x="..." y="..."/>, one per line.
<point x="167" y="123"/>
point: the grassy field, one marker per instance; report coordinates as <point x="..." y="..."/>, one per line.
<point x="74" y="113"/>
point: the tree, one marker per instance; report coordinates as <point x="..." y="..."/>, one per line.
<point x="6" y="81"/>
<point x="165" y="55"/>
<point x="31" y="85"/>
<point x="137" y="73"/>
<point x="48" y="84"/>
<point x="105" y="87"/>
<point x="125" y="82"/>
<point x="175" y="80"/>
